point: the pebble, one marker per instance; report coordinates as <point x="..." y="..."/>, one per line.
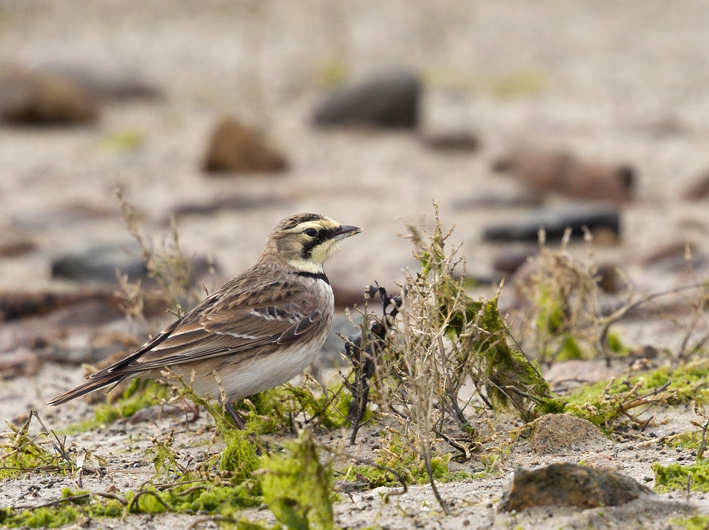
<point x="234" y="147"/>
<point x="388" y="100"/>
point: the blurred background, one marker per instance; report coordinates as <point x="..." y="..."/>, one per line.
<point x="228" y="115"/>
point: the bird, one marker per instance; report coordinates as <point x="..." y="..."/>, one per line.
<point x="257" y="331"/>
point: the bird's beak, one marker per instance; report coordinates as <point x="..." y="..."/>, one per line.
<point x="345" y="231"/>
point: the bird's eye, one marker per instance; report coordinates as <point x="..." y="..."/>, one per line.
<point x="311" y="232"/>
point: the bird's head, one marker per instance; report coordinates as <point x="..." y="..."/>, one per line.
<point x="305" y="241"/>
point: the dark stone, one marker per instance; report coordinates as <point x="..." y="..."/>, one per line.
<point x="570" y="485"/>
<point x="388" y="100"/>
<point x="42" y="98"/>
<point x="23" y="304"/>
<point x="451" y="140"/>
<point x="61" y="216"/>
<point x="508" y="261"/>
<point x="98" y="262"/>
<point x="236" y="148"/>
<point x="555" y="221"/>
<point x="233" y="202"/>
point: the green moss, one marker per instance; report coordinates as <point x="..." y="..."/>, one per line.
<point x="140" y="394"/>
<point x="297" y="487"/>
<point x="193" y="498"/>
<point x="686" y="440"/>
<point x="674" y="477"/>
<point x="602" y="403"/>
<point x="508" y="368"/>
<point x="24" y="453"/>
<point x="696" y="522"/>
<point x="570" y="350"/>
<point x="274" y="410"/>
<point x="127" y="140"/>
<point x="239" y="456"/>
<point x="616" y="345"/>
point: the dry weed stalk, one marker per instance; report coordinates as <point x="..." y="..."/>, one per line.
<point x="443" y="338"/>
<point x="170" y="268"/>
<point x="563" y="316"/>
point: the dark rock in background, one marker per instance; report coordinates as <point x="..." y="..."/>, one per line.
<point x="521" y="196"/>
<point x="563" y="173"/>
<point x="227" y="202"/>
<point x="61" y="216"/>
<point x="699" y="189"/>
<point x="18" y="362"/>
<point x="103" y="82"/>
<point x="22" y="304"/>
<point x="569" y="485"/>
<point x="388" y="100"/>
<point x="42" y="98"/>
<point x="555" y="221"/>
<point x="12" y="246"/>
<point x="454" y="140"/>
<point x="90" y="261"/>
<point x="234" y="147"/>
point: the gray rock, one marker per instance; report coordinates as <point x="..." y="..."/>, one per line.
<point x="91" y="261"/>
<point x="561" y="433"/>
<point x="102" y="81"/>
<point x="389" y="100"/>
<point x="570" y="485"/>
<point x="555" y="221"/>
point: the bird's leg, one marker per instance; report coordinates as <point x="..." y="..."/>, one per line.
<point x="240" y="424"/>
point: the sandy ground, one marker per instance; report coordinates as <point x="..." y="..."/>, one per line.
<point x="619" y="82"/>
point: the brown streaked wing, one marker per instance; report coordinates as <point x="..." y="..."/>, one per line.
<point x="236" y="321"/>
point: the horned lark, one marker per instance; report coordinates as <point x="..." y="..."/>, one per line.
<point x="257" y="331"/>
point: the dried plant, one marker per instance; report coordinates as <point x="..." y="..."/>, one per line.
<point x="562" y="319"/>
<point x="443" y="339"/>
<point x="169" y="267"/>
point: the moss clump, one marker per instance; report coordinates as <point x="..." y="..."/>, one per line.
<point x="274" y="410"/>
<point x="239" y="456"/>
<point x="297" y="487"/>
<point x="696" y="522"/>
<point x="508" y="369"/>
<point x="196" y="497"/>
<point x="605" y="402"/>
<point x="25" y="453"/>
<point x="140" y="394"/>
<point x="675" y="477"/>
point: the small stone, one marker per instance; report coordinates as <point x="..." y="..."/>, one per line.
<point x="561" y="433"/>
<point x="236" y="148"/>
<point x="103" y="82"/>
<point x="555" y="221"/>
<point x="388" y="100"/>
<point x="43" y="98"/>
<point x="92" y="261"/>
<point x="563" y="173"/>
<point x="570" y="485"/>
<point x="699" y="189"/>
<point x="14" y="247"/>
<point x="455" y="140"/>
<point x="18" y="362"/>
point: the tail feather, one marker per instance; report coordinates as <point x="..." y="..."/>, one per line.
<point x="89" y="386"/>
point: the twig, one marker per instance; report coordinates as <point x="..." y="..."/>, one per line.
<point x="50" y="503"/>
